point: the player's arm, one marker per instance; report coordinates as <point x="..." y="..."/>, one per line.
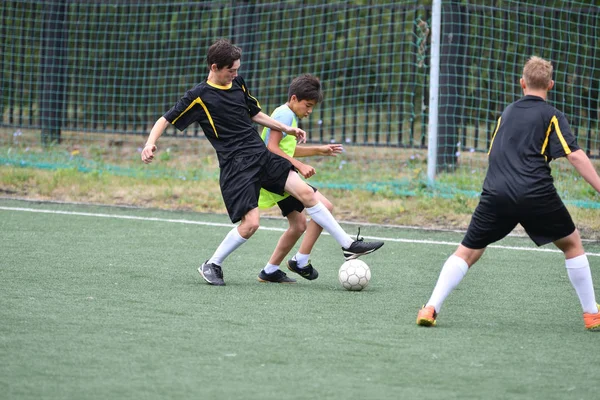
<point x="273" y="145"/>
<point x="332" y="149"/>
<point x="263" y="119"/>
<point x="586" y="169"/>
<point x="150" y="147"/>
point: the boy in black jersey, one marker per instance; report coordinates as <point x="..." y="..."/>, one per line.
<point x="519" y="189"/>
<point x="225" y="110"/>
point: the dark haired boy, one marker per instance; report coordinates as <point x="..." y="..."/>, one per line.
<point x="225" y="109"/>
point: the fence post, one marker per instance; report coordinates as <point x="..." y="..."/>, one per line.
<point x="434" y="89"/>
<point x="53" y="71"/>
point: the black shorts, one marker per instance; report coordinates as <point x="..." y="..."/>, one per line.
<point x="291" y="204"/>
<point x="489" y="224"/>
<point x="242" y="177"/>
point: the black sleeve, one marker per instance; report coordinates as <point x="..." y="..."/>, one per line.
<point x="251" y="101"/>
<point x="186" y="111"/>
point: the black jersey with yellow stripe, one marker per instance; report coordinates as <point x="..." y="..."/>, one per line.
<point x="528" y="136"/>
<point x="225" y="115"/>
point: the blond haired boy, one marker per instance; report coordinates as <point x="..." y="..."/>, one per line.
<point x="519" y="189"/>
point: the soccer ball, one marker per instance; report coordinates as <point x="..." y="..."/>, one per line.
<point x="354" y="275"/>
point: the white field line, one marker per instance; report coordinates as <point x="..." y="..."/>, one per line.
<point x="204" y="223"/>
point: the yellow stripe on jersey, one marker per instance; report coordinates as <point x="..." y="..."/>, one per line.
<point x="494" y="135"/>
<point x="193" y="103"/>
<point x="255" y="99"/>
<point x="561" y="138"/>
<point x="545" y="144"/>
<point x="563" y="142"/>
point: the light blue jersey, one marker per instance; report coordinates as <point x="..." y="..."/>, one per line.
<point x="288" y="144"/>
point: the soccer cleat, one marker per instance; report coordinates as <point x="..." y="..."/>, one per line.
<point x="359" y="248"/>
<point x="592" y="321"/>
<point x="426" y="316"/>
<point x="276" y="277"/>
<point x="307" y="272"/>
<point x="212" y="273"/>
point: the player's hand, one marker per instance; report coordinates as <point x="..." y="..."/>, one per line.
<point x="306" y="171"/>
<point x="148" y="153"/>
<point x="331" y="149"/>
<point x="299" y="133"/>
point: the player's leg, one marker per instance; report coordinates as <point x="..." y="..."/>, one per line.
<point x="240" y="185"/>
<point x="453" y="271"/>
<point x="211" y="269"/>
<point x="486" y="227"/>
<point x="558" y="227"/>
<point x="578" y="270"/>
<point x="237" y="236"/>
<point x="313" y="231"/>
<point x="300" y="263"/>
<point x="295" y="186"/>
<point x="296" y="227"/>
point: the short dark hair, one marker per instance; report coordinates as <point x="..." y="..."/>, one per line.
<point x="306" y="87"/>
<point x="223" y="53"/>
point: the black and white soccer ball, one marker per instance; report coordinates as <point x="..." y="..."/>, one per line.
<point x="354" y="275"/>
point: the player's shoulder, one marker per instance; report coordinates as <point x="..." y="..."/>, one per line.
<point x="554" y="111"/>
<point x="199" y="88"/>
<point x="528" y="104"/>
<point x="546" y="112"/>
<point x="283" y="114"/>
<point x="282" y="110"/>
<point x="549" y="112"/>
<point x="239" y="82"/>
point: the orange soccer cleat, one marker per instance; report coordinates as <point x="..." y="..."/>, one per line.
<point x="427" y="315"/>
<point x="592" y="321"/>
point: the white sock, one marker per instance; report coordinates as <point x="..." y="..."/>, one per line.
<point x="232" y="241"/>
<point x="301" y="259"/>
<point x="578" y="269"/>
<point x="270" y="268"/>
<point x="323" y="217"/>
<point x="453" y="271"/>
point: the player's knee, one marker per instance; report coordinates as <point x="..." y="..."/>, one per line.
<point x="300" y="226"/>
<point x="248" y="227"/>
<point x="571" y="245"/>
<point x="307" y="196"/>
<point x="297" y="225"/>
<point x="253" y="226"/>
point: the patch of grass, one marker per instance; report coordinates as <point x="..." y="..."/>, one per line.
<point x="14" y="177"/>
<point x="113" y="308"/>
<point x="366" y="184"/>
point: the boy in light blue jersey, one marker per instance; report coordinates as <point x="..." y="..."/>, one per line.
<point x="303" y="95"/>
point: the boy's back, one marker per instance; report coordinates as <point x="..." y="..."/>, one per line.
<point x="530" y="134"/>
<point x="518" y="190"/>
